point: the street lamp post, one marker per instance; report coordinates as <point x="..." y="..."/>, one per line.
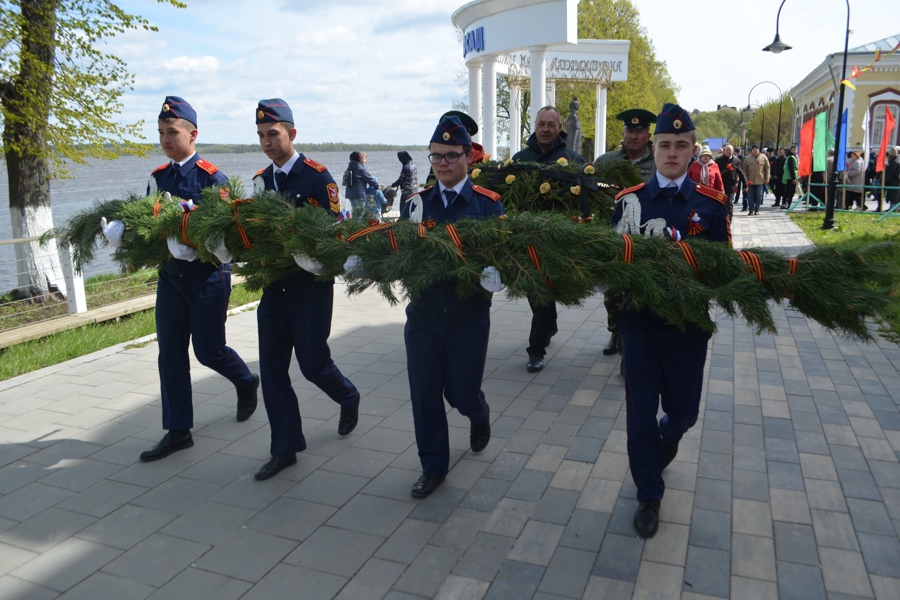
<point x="780" y="101"/>
<point x="778" y="46"/>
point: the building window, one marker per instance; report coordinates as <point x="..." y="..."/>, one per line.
<point x="877" y="129"/>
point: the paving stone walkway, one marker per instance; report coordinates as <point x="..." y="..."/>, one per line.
<point x="788" y="486"/>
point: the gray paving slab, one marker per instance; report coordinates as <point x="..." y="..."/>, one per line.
<point x="788" y="486"/>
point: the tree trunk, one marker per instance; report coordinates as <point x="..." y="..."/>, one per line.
<point x="27" y="109"/>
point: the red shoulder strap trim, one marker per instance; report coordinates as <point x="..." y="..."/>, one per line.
<point x="712" y="193"/>
<point x="161" y="168"/>
<point x="310" y="162"/>
<point x="260" y="172"/>
<point x="629" y="190"/>
<point x="486" y="192"/>
<point x="207" y="166"/>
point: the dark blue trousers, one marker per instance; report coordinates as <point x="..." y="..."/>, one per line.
<point x="191" y="307"/>
<point x="445" y="355"/>
<point x="294" y="317"/>
<point x="662" y="365"/>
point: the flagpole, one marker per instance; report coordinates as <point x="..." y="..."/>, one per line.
<point x="828" y="223"/>
<point x="881" y="195"/>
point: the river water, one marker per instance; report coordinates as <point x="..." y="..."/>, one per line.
<point x="105" y="180"/>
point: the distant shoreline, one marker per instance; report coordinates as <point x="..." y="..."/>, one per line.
<point x="325" y="147"/>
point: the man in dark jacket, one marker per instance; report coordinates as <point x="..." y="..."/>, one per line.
<point x="548" y="142"/>
<point x="546" y="145"/>
<point x="775" y="184"/>
<point x="732" y="174"/>
<point x="408" y="180"/>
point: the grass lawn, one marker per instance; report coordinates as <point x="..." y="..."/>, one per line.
<point x="851" y="230"/>
<point x="53" y="349"/>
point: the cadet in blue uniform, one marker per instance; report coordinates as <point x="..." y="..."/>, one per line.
<point x="447" y="337"/>
<point x="663" y="363"/>
<point x="294" y="315"/>
<point x="191" y="296"/>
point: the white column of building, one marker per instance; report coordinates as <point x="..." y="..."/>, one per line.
<point x="475" y="96"/>
<point x="489" y="77"/>
<point x="515" y="119"/>
<point x="600" y="122"/>
<point x="538" y="80"/>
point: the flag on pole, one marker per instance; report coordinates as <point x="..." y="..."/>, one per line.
<point x="885" y="138"/>
<point x="839" y="162"/>
<point x="866" y="143"/>
<point x="820" y="143"/>
<point x="806" y="148"/>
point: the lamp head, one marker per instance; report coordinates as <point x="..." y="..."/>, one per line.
<point x="777" y="46"/>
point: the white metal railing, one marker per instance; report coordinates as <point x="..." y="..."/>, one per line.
<point x="15" y="312"/>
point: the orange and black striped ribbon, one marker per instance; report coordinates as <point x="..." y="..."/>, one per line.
<point x="689" y="255"/>
<point x="628" y="249"/>
<point x="454" y="236"/>
<point x="423" y="230"/>
<point x="393" y="239"/>
<point x="753" y="262"/>
<point x="367" y="230"/>
<point x="536" y="261"/>
<point x="533" y="255"/>
<point x="240" y="226"/>
<point x="793" y="263"/>
<point x="184" y="224"/>
<point x="157" y="206"/>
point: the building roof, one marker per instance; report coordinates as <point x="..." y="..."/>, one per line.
<point x="885" y="45"/>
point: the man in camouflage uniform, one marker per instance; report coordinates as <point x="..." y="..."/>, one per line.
<point x="637" y="148"/>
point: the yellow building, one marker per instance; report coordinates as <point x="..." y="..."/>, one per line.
<point x="876" y="92"/>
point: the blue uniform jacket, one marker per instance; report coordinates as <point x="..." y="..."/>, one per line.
<point x="713" y="224"/>
<point x="307" y="183"/>
<point x="713" y="215"/>
<point x="186" y="182"/>
<point x="470" y="204"/>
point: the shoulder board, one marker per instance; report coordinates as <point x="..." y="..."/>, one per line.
<point x="486" y="192"/>
<point x="161" y="168"/>
<point x="629" y="190"/>
<point x="422" y="191"/>
<point x="712" y="193"/>
<point x="260" y="172"/>
<point x="207" y="166"/>
<point x="310" y="162"/>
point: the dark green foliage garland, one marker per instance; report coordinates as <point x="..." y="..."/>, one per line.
<point x="547" y="256"/>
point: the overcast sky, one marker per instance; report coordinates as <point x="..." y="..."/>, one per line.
<point x="382" y="71"/>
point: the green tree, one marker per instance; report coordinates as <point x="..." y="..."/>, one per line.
<point x="649" y="85"/>
<point x="59" y="93"/>
<point x="762" y="124"/>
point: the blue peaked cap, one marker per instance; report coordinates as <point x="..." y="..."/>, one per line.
<point x="177" y="108"/>
<point x="450" y="132"/>
<point x="673" y="119"/>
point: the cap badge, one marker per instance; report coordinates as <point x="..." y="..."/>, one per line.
<point x="446" y="136"/>
<point x="166" y="107"/>
<point x="260" y="114"/>
<point x="677" y="123"/>
<point x="634" y="119"/>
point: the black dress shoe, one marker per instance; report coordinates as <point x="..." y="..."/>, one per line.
<point x="247" y="400"/>
<point x="425" y="485"/>
<point x="479" y="437"/>
<point x="275" y="464"/>
<point x="669" y="454"/>
<point x="535" y="364"/>
<point x="646" y="519"/>
<point x="349" y="419"/>
<point x="173" y="441"/>
<point x="612" y="346"/>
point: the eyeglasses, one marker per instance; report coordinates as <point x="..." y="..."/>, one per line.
<point x="450" y="157"/>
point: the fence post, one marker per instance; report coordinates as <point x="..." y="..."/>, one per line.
<point x="74" y="282"/>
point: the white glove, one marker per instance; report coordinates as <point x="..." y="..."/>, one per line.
<point x="490" y="280"/>
<point x="353" y="266"/>
<point x="308" y="264"/>
<point x="221" y="251"/>
<point x="112" y="231"/>
<point x="180" y="251"/>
